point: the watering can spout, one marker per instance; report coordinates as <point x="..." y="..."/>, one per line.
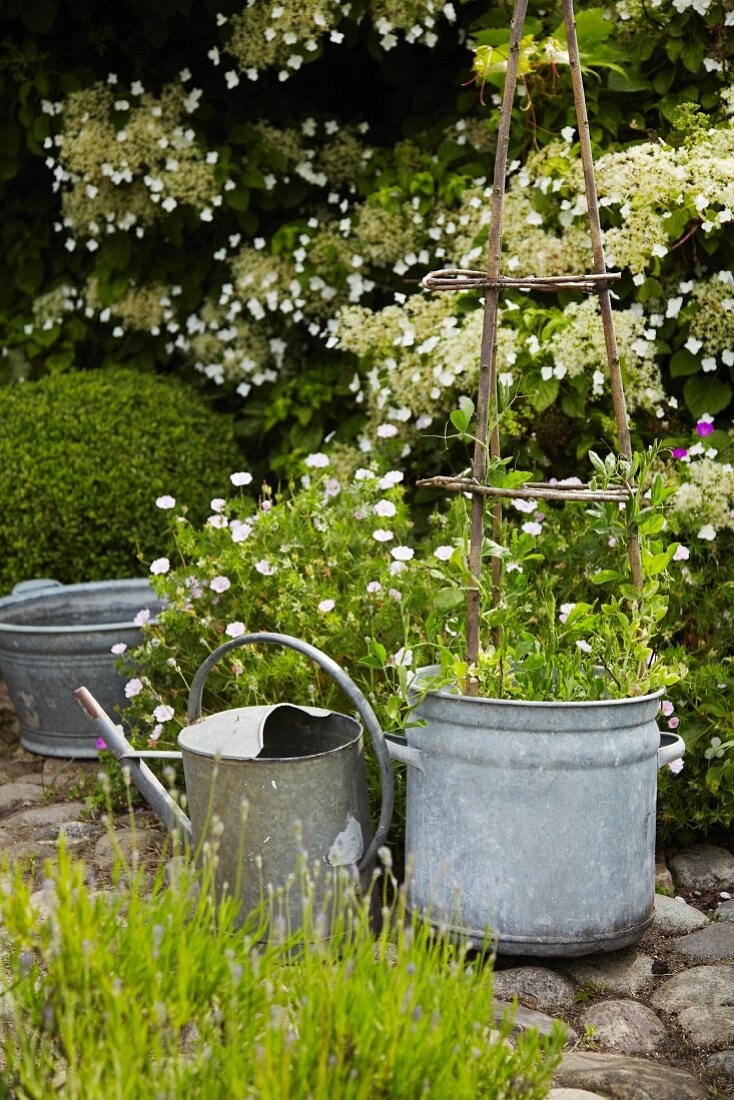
<point x="168" y="812"/>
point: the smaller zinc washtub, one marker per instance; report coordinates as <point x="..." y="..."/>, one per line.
<point x="51" y="637"/>
<point x="535" y="821"/>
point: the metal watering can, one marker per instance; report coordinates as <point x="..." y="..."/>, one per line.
<point x="299" y="770"/>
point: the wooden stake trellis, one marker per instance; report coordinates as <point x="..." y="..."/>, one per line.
<point x="492" y="283"/>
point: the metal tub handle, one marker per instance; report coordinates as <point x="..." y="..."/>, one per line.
<point x="672" y="747"/>
<point x="349" y="688"/>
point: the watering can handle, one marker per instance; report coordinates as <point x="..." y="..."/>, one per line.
<point x="349" y="688"/>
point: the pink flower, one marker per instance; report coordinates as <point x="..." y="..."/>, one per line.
<point x="380" y="535"/>
<point x="390" y="480"/>
<point x="118" y="649"/>
<point x="402" y="553"/>
<point x="374" y="586"/>
<point x="240" y="530"/>
<point x="265" y="568"/>
<point x="100" y="744"/>
<point x="532" y="528"/>
<point x="217" y="505"/>
<point x="316" y="461"/>
<point x="682" y="554"/>
<point x="220" y="584"/>
<point x="423" y="422"/>
<point x="160" y="566"/>
<point x="163" y="713"/>
<point x="673" y="723"/>
<point x="394" y="594"/>
<point x="326" y="605"/>
<point x="235" y="630"/>
<point x="705" y="426"/>
<point x="584" y="646"/>
<point x="385" y="508"/>
<point x="157" y="731"/>
<point x="133" y="687"/>
<point x="566" y="609"/>
<point x="397" y="567"/>
<point x="217" y="521"/>
<point x="332" y="487"/>
<point x="667" y="707"/>
<point x="679" y="452"/>
<point x="403" y="658"/>
<point x="443" y="553"/>
<point x="142" y="617"/>
<point x="387" y="431"/>
<point x="241" y="477"/>
<point x="676" y="766"/>
<point x="165" y="502"/>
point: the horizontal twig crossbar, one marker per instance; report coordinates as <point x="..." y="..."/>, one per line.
<point x="458" y="278"/>
<point x="533" y="491"/>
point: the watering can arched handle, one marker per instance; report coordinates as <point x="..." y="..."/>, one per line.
<point x="349" y="688"/>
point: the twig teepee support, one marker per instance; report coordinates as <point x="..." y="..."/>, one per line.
<point x="492" y="283"/>
<point x="487" y="409"/>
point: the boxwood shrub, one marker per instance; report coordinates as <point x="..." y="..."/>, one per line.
<point x="83" y="457"/>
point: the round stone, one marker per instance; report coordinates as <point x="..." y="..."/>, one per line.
<point x="625" y="1026"/>
<point x="703" y="867"/>
<point x="673" y="916"/>
<point x="535" y="987"/>
<point x="710" y="986"/>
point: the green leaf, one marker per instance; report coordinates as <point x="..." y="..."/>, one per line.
<point x="448" y="599"/>
<point x="683" y="363"/>
<point x="543" y="393"/>
<point x="706" y="395"/>
<point x="606" y="575"/>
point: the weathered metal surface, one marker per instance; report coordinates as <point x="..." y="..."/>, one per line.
<point x="535" y="821"/>
<point x="54" y="637"/>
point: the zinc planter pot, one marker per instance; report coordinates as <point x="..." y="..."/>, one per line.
<point x="534" y="822"/>
<point x="54" y="637"/>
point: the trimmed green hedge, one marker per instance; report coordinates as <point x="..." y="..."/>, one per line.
<point x="83" y="457"/>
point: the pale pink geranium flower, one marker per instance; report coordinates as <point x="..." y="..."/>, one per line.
<point x="403" y="658"/>
<point x="163" y="713"/>
<point x="241" y="477"/>
<point x="217" y="520"/>
<point x="235" y="630"/>
<point x="423" y="422"/>
<point x="326" y="605"/>
<point x="157" y="731"/>
<point x="385" y="508"/>
<point x="394" y="594"/>
<point x="165" y="502"/>
<point x="566" y="609"/>
<point x="241" y="531"/>
<point x="443" y="553"/>
<point x="402" y="553"/>
<point x="673" y="723"/>
<point x="316" y="461"/>
<point x="682" y="554"/>
<point x="265" y="568"/>
<point x="332" y="487"/>
<point x="584" y="646"/>
<point x="220" y="584"/>
<point x="386" y="431"/>
<point x="374" y="586"/>
<point x="118" y="649"/>
<point x="217" y="504"/>
<point x="142" y="617"/>
<point x="667" y="707"/>
<point x="532" y="528"/>
<point x="380" y="535"/>
<point x="160" y="566"/>
<point x="133" y="687"/>
<point x="676" y="766"/>
<point x="397" y="567"/>
<point x="390" y="480"/>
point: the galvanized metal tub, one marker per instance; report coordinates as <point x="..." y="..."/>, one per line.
<point x="53" y="637"/>
<point x="534" y="821"/>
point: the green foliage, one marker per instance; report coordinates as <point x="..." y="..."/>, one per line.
<point x="158" y="991"/>
<point x="535" y="643"/>
<point x="83" y="457"/>
<point x="700" y="800"/>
